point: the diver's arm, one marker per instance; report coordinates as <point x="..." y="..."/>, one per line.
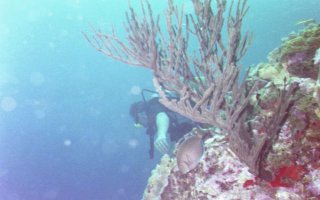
<point x="161" y="142"/>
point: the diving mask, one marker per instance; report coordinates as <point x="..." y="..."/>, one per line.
<point x="141" y="120"/>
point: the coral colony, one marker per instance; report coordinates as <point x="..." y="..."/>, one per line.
<point x="262" y="132"/>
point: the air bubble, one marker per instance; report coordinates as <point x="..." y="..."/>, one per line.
<point x="8" y="104"/>
<point x="133" y="143"/>
<point x="37" y="79"/>
<point x="135" y="90"/>
<point x="67" y="142"/>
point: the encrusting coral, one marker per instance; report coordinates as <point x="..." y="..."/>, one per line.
<point x="298" y="50"/>
<point x="220" y="174"/>
<point x="159" y="179"/>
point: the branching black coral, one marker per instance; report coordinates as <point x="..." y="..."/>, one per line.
<point x="205" y="75"/>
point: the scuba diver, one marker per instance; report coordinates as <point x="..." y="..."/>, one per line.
<point x="162" y="125"/>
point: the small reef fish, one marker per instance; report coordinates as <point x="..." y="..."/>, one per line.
<point x="189" y="151"/>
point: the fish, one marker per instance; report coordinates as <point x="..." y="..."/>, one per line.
<point x="189" y="151"/>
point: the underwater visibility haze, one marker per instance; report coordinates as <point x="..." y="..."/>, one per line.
<point x="65" y="129"/>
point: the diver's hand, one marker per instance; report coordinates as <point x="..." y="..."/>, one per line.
<point x="161" y="144"/>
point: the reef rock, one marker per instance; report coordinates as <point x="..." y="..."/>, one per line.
<point x="297" y="52"/>
<point x="159" y="179"/>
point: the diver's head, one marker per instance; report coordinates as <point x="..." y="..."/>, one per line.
<point x="138" y="113"/>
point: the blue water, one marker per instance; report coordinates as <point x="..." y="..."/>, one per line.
<point x="65" y="132"/>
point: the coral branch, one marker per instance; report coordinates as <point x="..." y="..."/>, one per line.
<point x="141" y="48"/>
<point x="251" y="148"/>
<point x="205" y="75"/>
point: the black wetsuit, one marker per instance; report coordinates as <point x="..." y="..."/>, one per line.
<point x="178" y="126"/>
